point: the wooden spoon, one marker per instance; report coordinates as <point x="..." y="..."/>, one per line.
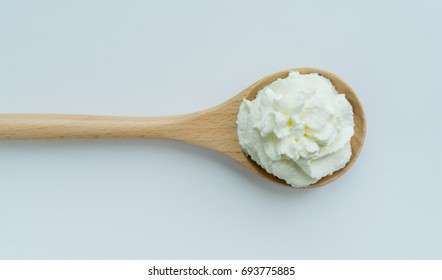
<point x="214" y="128"/>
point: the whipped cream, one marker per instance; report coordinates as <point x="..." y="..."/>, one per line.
<point x="298" y="128"/>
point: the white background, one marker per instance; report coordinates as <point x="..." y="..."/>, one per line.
<point x="139" y="269"/>
<point x="161" y="200"/>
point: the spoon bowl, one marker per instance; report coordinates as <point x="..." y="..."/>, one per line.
<point x="357" y="141"/>
<point x="214" y="128"/>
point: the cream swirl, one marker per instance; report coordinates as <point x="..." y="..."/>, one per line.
<point x="298" y="128"/>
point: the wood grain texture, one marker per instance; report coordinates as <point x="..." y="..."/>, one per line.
<point x="214" y="128"/>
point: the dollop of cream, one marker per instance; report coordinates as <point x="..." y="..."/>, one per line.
<point x="298" y="128"/>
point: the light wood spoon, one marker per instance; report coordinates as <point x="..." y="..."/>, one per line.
<point x="214" y="128"/>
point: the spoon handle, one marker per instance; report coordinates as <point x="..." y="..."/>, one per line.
<point x="28" y="127"/>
